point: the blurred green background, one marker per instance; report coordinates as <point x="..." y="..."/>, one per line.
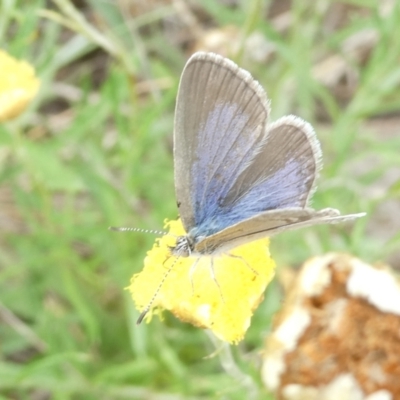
<point x="95" y="149"/>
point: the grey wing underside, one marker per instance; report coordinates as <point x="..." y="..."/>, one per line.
<point x="267" y="224"/>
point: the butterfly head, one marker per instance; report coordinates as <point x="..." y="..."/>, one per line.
<point x="184" y="246"/>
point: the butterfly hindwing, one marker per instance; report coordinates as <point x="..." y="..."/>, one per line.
<point x="268" y="224"/>
<point x="281" y="175"/>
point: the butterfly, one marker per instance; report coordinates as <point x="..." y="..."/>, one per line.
<point x="239" y="178"/>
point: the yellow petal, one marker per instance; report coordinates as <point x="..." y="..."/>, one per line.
<point x="18" y="86"/>
<point x="224" y="304"/>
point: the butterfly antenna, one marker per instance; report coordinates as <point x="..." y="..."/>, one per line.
<point x="125" y="229"/>
<point x="147" y="309"/>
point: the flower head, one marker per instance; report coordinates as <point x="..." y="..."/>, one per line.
<point x="220" y="293"/>
<point x="18" y="86"/>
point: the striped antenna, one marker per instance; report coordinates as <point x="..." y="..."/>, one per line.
<point x="147" y="309"/>
<point x="125" y="229"/>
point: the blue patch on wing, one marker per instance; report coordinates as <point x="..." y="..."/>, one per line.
<point x="215" y="172"/>
<point x="271" y="194"/>
<point x="223" y="159"/>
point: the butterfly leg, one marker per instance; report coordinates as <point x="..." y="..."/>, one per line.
<point x="244" y="261"/>
<point x="191" y="273"/>
<point x="163" y="264"/>
<point x="215" y="279"/>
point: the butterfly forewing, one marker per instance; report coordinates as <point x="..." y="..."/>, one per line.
<point x="220" y="120"/>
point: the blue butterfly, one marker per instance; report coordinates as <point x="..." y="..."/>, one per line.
<point x="239" y="178"/>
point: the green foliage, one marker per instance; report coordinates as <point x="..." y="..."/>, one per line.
<point x="95" y="149"/>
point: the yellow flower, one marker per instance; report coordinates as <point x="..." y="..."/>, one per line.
<point x="223" y="303"/>
<point x="18" y="86"/>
